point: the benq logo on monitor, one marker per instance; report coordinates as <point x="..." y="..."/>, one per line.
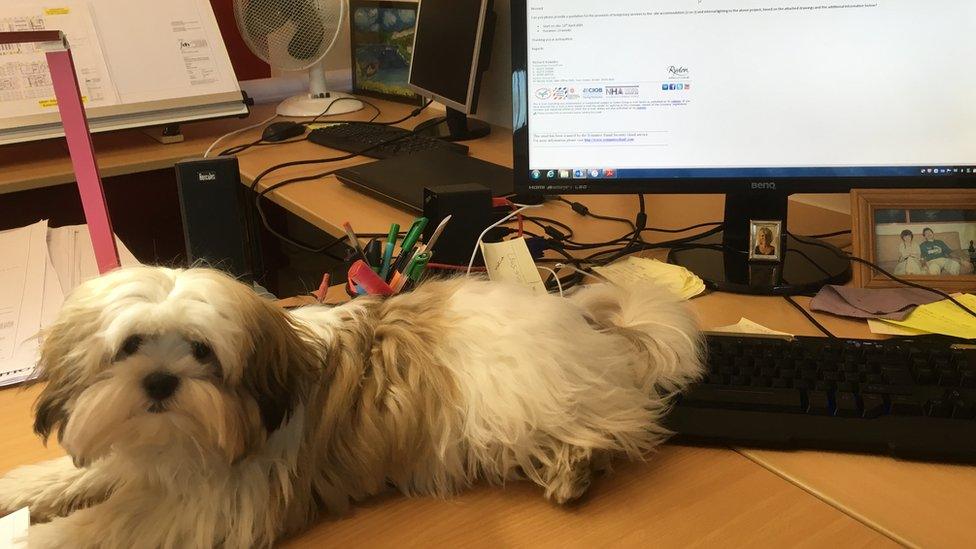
<point x="207" y="176"/>
<point x="764" y="185"/>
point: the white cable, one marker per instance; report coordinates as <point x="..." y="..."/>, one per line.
<point x="477" y="245"/>
<point x="559" y="283"/>
<point x="235" y="132"/>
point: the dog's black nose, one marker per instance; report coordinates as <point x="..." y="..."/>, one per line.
<point x="160" y="385"/>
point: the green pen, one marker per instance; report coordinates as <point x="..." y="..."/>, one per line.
<point x="419" y="266"/>
<point x="413" y="270"/>
<point x="388" y="253"/>
<point x="409" y="241"/>
<point x="416" y="270"/>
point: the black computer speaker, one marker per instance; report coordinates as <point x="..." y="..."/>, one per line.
<point x="471" y="208"/>
<point x="217" y="221"/>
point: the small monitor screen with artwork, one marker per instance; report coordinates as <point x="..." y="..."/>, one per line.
<point x="382" y="47"/>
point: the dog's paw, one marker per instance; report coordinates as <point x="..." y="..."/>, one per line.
<point x="570" y="486"/>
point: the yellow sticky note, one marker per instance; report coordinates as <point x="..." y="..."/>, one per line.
<point x="511" y="261"/>
<point x="943" y="317"/>
<point x="881" y="327"/>
<point x="640" y="270"/>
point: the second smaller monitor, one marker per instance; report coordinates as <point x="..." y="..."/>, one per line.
<point x="452" y="48"/>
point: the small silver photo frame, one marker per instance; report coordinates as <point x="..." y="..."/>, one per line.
<point x="765" y="241"/>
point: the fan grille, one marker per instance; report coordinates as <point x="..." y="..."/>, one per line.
<point x="289" y="34"/>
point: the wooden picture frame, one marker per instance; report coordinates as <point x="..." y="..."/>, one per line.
<point x="882" y="220"/>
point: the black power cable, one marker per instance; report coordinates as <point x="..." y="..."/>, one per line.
<point x="276" y="186"/>
<point x="851" y="257"/>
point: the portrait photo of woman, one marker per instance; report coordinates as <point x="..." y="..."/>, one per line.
<point x="764" y="240"/>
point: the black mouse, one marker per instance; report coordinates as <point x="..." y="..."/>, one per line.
<point x="280" y="131"/>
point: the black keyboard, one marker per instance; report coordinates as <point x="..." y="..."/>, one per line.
<point x="364" y="138"/>
<point x="907" y="398"/>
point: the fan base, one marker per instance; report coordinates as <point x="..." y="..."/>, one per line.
<point x="305" y="106"/>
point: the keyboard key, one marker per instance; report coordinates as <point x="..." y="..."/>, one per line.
<point x="948" y="378"/>
<point x="968" y="380"/>
<point x="783" y="364"/>
<point x="887" y="389"/>
<point x="761" y="381"/>
<point x="818" y="403"/>
<point x="741" y="362"/>
<point x="791" y="374"/>
<point x="758" y="399"/>
<point x="897" y="376"/>
<point x="740" y="381"/>
<point x="802" y="384"/>
<point x="781" y="383"/>
<point x="874" y="406"/>
<point x="847" y="405"/>
<point x="717" y="379"/>
<point x="847" y="386"/>
<point x="938" y="408"/>
<point x="963" y="410"/>
<point x="824" y="386"/>
<point x="903" y="405"/>
<point x="924" y="376"/>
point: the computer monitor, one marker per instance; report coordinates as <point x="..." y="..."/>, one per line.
<point x="451" y="50"/>
<point x="755" y="99"/>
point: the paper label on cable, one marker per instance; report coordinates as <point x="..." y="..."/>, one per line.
<point x="510" y="261"/>
<point x="13" y="529"/>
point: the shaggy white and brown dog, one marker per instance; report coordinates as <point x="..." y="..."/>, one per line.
<point x="197" y="414"/>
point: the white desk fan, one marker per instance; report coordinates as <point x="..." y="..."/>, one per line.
<point x="296" y="35"/>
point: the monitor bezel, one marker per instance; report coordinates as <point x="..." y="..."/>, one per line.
<point x="470" y="103"/>
<point x="674" y="185"/>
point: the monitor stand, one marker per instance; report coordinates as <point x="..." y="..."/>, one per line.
<point x="721" y="257"/>
<point x="458" y="127"/>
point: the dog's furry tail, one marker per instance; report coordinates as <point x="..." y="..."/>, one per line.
<point x="659" y="325"/>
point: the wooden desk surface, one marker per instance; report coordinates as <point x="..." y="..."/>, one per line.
<point x="683" y="496"/>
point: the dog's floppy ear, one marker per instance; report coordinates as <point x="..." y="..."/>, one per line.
<point x="66" y="351"/>
<point x="280" y="369"/>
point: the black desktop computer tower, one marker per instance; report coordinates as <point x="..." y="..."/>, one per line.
<point x="218" y="223"/>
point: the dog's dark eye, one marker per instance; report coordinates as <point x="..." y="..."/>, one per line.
<point x="202" y="351"/>
<point x="130" y="345"/>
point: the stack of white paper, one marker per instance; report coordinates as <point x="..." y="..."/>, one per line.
<point x="13" y="529"/>
<point x="38" y="267"/>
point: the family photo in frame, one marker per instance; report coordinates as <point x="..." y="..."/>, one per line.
<point x="928" y="236"/>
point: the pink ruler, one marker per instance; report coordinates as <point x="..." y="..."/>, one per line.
<point x="76" y="132"/>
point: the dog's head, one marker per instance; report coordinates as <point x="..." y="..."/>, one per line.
<point x="152" y="360"/>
